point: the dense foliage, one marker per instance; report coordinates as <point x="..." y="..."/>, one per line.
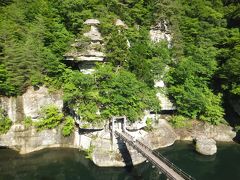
<point x="68" y="126"/>
<point x="210" y="61"/>
<point x="5" y="122"/>
<point x="204" y="58"/>
<point x="110" y="90"/>
<point x="50" y="117"/>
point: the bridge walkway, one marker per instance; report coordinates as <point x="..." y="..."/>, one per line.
<point x="163" y="164"/>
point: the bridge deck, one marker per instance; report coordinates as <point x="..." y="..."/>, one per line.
<point x="167" y="170"/>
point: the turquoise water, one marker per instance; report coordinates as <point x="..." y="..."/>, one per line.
<point x="61" y="164"/>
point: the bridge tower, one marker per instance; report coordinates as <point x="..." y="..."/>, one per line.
<point x="117" y="123"/>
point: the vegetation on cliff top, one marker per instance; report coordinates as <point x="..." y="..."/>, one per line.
<point x="204" y="61"/>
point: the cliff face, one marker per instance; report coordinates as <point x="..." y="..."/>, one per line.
<point x="30" y="103"/>
<point x="27" y="140"/>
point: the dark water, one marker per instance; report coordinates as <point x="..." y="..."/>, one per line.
<point x="62" y="164"/>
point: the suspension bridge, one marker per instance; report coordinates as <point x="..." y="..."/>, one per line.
<point x="171" y="171"/>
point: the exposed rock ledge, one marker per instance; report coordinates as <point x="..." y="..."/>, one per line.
<point x="195" y="129"/>
<point x="28" y="140"/>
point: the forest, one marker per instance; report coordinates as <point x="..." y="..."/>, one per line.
<point x="204" y="59"/>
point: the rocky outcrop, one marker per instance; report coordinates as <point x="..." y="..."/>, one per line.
<point x="24" y="139"/>
<point x="34" y="100"/>
<point x="197" y="129"/>
<point x="166" y="104"/>
<point x="88" y="51"/>
<point x="120" y="23"/>
<point x="86" y="54"/>
<point x="118" y="154"/>
<point x="160" y="32"/>
<point x="93" y="34"/>
<point x="162" y="135"/>
<point x="206" y="146"/>
<point x="104" y="153"/>
<point x="27" y="140"/>
<point x="30" y="103"/>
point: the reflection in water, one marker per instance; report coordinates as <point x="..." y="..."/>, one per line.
<point x="68" y="164"/>
<point x="61" y="164"/>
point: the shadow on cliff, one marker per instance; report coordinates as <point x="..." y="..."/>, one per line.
<point x="231" y="116"/>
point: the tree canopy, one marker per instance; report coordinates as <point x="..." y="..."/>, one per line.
<point x="203" y="59"/>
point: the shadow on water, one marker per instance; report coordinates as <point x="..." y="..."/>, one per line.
<point x="135" y="173"/>
<point x="3" y="147"/>
<point x="125" y="155"/>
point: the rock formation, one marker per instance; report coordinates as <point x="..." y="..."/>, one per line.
<point x="120" y="23"/>
<point x="161" y="32"/>
<point x="86" y="52"/>
<point x="206" y="146"/>
<point x="30" y="103"/>
<point x="197" y="129"/>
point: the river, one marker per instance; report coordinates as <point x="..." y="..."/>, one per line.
<point x="71" y="164"/>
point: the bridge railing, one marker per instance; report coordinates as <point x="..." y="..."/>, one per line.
<point x="144" y="154"/>
<point x="164" y="159"/>
<point x="169" y="163"/>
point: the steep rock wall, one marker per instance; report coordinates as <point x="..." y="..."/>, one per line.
<point x="30" y="103"/>
<point x="26" y="140"/>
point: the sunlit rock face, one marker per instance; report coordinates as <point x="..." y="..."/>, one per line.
<point x="195" y="129"/>
<point x="26" y="140"/>
<point x="120" y="23"/>
<point x="34" y="100"/>
<point x="30" y="103"/>
<point x="166" y="104"/>
<point x="160" y="32"/>
<point x="117" y="153"/>
<point x="206" y="146"/>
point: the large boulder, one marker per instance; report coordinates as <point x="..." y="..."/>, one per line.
<point x="206" y="146"/>
<point x="162" y="135"/>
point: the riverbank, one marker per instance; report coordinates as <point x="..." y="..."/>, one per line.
<point x="99" y="146"/>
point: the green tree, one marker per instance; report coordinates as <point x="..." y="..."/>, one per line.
<point x="5" y="122"/>
<point x="50" y="117"/>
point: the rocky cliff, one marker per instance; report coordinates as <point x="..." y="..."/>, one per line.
<point x="30" y="103"/>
